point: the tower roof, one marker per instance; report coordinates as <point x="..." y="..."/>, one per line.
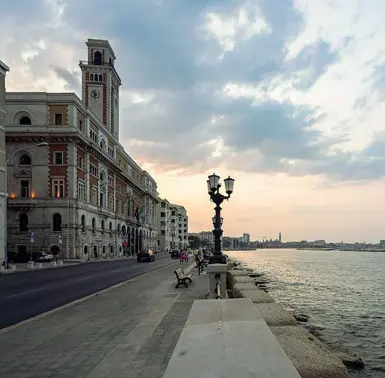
<point x="102" y="43"/>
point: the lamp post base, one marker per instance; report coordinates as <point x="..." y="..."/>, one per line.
<point x="217" y="259"/>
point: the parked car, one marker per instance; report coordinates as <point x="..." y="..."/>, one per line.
<point x="174" y="254"/>
<point x="42" y="257"/>
<point x="145" y="256"/>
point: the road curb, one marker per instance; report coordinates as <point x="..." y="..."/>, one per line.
<point x="76" y="301"/>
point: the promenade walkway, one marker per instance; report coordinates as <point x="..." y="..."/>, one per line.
<point x="128" y="331"/>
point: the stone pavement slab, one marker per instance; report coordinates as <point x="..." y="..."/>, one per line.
<point x="128" y="331"/>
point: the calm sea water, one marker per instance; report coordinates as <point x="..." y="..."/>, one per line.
<point x="342" y="292"/>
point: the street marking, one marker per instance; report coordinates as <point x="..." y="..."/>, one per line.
<point x="76" y="301"/>
<point x="25" y="293"/>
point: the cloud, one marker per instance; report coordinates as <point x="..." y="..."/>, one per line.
<point x="258" y="86"/>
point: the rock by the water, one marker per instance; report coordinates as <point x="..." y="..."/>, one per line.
<point x="349" y="358"/>
<point x="261" y="281"/>
<point x="301" y="318"/>
<point x="256" y="274"/>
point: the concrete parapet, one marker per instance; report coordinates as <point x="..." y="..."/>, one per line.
<point x="228" y="338"/>
<point x="275" y="315"/>
<point x="311" y="358"/>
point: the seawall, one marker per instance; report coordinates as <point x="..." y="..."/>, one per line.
<point x="311" y="357"/>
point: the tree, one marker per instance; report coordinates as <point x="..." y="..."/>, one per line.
<point x="194" y="241"/>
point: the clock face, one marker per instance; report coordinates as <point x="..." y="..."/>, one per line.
<point x="95" y="94"/>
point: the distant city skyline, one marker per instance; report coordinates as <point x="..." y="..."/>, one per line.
<point x="297" y="120"/>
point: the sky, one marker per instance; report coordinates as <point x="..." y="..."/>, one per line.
<point x="285" y="96"/>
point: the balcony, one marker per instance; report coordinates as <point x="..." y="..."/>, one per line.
<point x="21" y="203"/>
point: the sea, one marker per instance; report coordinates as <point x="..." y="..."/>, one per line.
<point x="343" y="293"/>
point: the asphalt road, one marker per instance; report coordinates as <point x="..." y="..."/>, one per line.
<point x="25" y="295"/>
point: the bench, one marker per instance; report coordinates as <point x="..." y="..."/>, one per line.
<point x="182" y="277"/>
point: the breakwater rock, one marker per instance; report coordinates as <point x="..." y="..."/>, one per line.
<point x="311" y="357"/>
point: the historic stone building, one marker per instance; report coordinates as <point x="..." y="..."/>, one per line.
<point x="72" y="186"/>
<point x="172" y="226"/>
<point x="3" y="219"/>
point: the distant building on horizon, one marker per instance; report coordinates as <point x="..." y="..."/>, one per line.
<point x="246" y="238"/>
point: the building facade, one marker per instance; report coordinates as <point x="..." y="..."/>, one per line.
<point x="172" y="226"/>
<point x="81" y="195"/>
<point x="3" y="158"/>
<point x="206" y="236"/>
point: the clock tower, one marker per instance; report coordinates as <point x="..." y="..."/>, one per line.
<point x="100" y="84"/>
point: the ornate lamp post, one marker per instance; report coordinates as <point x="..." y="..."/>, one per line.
<point x="213" y="186"/>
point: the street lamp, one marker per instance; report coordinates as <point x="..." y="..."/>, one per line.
<point x="213" y="186"/>
<point x="214" y="220"/>
<point x="41" y="144"/>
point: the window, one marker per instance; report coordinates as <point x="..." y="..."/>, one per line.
<point x="163" y="205"/>
<point x="25" y="160"/>
<point x="96" y="77"/>
<point x="120" y="207"/>
<point x="110" y="180"/>
<point x="101" y="198"/>
<point x="81" y="191"/>
<point x="94" y="196"/>
<point x="111" y="203"/>
<point x="102" y="226"/>
<point x="163" y="232"/>
<point x="129" y="171"/>
<point x="58" y="158"/>
<point x="93" y="170"/>
<point x="56" y="222"/>
<point x="110" y="151"/>
<point x="81" y="162"/>
<point x="93" y="224"/>
<point x="58" y="188"/>
<point x="98" y="58"/>
<point x="92" y="77"/>
<point x="100" y="77"/>
<point x="93" y="135"/>
<point x="58" y="119"/>
<point x="23" y="222"/>
<point x="110" y="226"/>
<point x="80" y="125"/>
<point x="24" y="188"/>
<point x="83" y="222"/>
<point x="25" y="121"/>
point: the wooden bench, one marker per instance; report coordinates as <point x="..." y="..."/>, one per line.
<point x="182" y="277"/>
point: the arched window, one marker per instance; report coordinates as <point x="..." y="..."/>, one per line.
<point x="93" y="224"/>
<point x="96" y="77"/>
<point x="100" y="77"/>
<point x="118" y="229"/>
<point x="23" y="222"/>
<point x="102" y="144"/>
<point x="56" y="222"/>
<point x="83" y="221"/>
<point x="124" y="230"/>
<point x="25" y="160"/>
<point x="102" y="226"/>
<point x="85" y="250"/>
<point x="25" y="120"/>
<point x="110" y="226"/>
<point x="92" y="77"/>
<point x="98" y="58"/>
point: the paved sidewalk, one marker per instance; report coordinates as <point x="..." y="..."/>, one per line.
<point x="129" y="331"/>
